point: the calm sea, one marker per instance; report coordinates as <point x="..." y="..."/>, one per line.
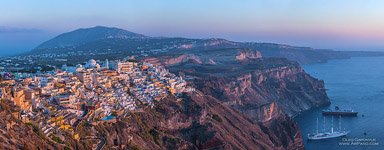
<point x="356" y="83"/>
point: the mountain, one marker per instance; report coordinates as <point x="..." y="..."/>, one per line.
<point x="115" y="42"/>
<point x="83" y="36"/>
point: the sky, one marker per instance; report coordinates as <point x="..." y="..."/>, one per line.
<point x="323" y="24"/>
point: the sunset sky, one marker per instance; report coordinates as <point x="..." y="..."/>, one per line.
<point x="331" y="24"/>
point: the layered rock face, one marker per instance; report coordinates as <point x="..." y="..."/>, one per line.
<point x="248" y="54"/>
<point x="249" y="83"/>
<point x="196" y="121"/>
<point x="287" y="86"/>
<point x="266" y="90"/>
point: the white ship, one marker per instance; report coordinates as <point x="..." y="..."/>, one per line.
<point x="327" y="135"/>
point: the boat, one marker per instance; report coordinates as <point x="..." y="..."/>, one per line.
<point x="340" y="112"/>
<point x="327" y="135"/>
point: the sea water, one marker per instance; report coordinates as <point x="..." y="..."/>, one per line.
<point x="356" y="83"/>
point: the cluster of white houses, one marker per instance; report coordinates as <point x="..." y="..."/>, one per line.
<point x="93" y="92"/>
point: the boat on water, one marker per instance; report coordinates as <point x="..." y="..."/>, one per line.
<point x="327" y="135"/>
<point x="340" y="112"/>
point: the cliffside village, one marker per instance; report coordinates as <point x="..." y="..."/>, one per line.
<point x="95" y="92"/>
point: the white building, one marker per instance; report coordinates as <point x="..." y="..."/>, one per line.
<point x="125" y="67"/>
<point x="92" y="64"/>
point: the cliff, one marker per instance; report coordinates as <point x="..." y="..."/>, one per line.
<point x="267" y="90"/>
<point x="287" y="86"/>
<point x="197" y="121"/>
<point x="14" y="134"/>
<point x="245" y="80"/>
<point x="194" y="121"/>
<point x="248" y="54"/>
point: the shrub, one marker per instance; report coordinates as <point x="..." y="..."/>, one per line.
<point x="217" y="118"/>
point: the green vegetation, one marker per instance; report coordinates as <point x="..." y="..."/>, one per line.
<point x="197" y="134"/>
<point x="170" y="142"/>
<point x="114" y="113"/>
<point x="217" y="118"/>
<point x="189" y="108"/>
<point x="32" y="70"/>
<point x="47" y="68"/>
<point x="29" y="123"/>
<point x="56" y="139"/>
<point x="155" y="135"/>
<point x="35" y="128"/>
<point x="135" y="147"/>
<point x="132" y="60"/>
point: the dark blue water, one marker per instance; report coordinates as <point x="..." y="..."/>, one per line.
<point x="356" y="83"/>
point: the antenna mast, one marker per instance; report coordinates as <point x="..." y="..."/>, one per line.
<point x="332" y="125"/>
<point x="340" y="123"/>
<point x="324" y="124"/>
<point x="317" y="123"/>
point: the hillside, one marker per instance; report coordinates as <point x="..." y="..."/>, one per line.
<point x="116" y="42"/>
<point x="14" y="134"/>
<point x="83" y="36"/>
